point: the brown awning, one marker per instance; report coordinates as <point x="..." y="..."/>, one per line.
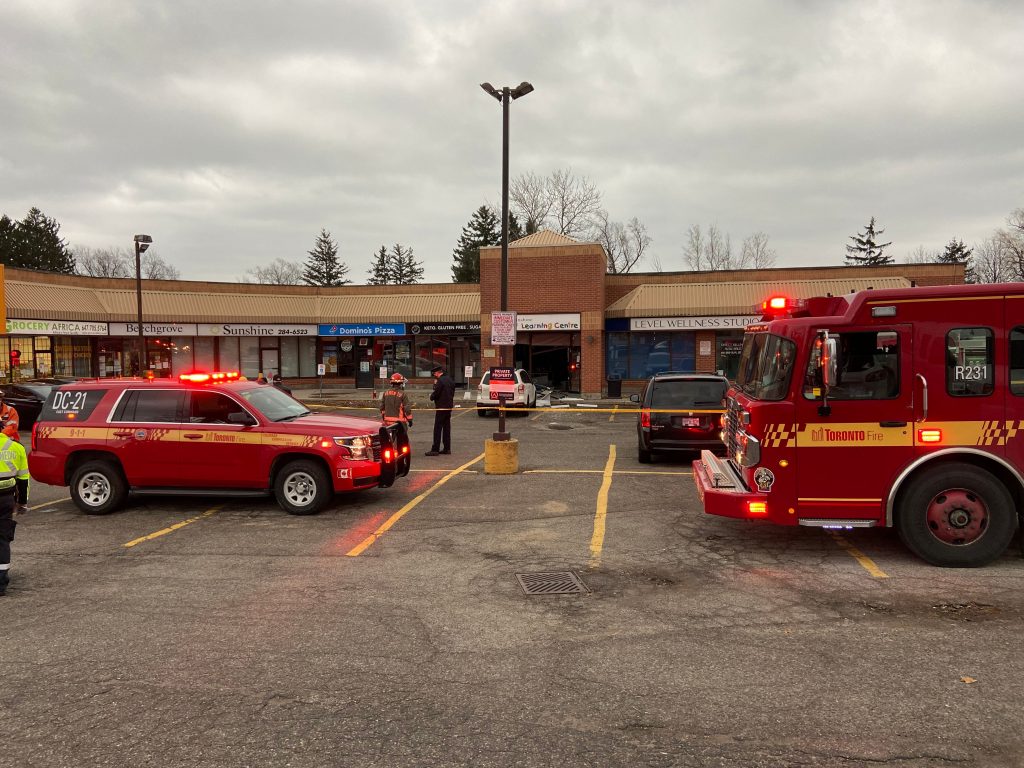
<point x="732" y="298"/>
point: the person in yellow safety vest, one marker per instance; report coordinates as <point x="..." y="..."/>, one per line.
<point x="9" y="420"/>
<point x="13" y="498"/>
<point x="394" y="403"/>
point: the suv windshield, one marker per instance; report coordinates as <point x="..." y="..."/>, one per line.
<point x="670" y="394"/>
<point x="766" y="366"/>
<point x="274" y="404"/>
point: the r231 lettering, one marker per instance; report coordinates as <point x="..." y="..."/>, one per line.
<point x="970" y="373"/>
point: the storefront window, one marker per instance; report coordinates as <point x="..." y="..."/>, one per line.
<point x="227" y="354"/>
<point x="617" y="358"/>
<point x="307" y="357"/>
<point x="730" y="346"/>
<point x="81" y="353"/>
<point x="289" y="356"/>
<point x="203" y="353"/>
<point x="684" y="351"/>
<point x="181" y="355"/>
<point x="249" y="356"/>
<point x="62" y="356"/>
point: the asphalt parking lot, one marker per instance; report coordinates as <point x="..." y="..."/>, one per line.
<point x="392" y="630"/>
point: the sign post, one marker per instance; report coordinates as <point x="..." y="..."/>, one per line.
<point x="321" y="369"/>
<point x="503" y="387"/>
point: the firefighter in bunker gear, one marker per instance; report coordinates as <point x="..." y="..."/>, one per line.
<point x="9" y="420"/>
<point x="13" y="498"/>
<point x="394" y="403"/>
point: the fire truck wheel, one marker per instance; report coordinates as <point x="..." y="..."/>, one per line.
<point x="302" y="487"/>
<point x="956" y="516"/>
<point x="98" y="488"/>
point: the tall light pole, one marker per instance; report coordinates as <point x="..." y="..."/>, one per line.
<point x="142" y="242"/>
<point x="506" y="95"/>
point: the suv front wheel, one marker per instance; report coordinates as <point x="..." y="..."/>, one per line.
<point x="302" y="487"/>
<point x="97" y="487"/>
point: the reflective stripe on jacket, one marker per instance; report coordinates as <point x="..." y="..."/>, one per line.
<point x="394" y="406"/>
<point x="13" y="462"/>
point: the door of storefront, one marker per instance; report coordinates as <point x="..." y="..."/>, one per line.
<point x="548" y="356"/>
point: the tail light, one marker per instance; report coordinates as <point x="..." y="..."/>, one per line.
<point x="521" y="388"/>
<point x="645" y="418"/>
<point x="387" y="454"/>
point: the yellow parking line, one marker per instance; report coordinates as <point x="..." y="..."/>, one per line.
<point x="171" y="528"/>
<point x="860" y="557"/>
<point x="365" y="543"/>
<point x="537" y="415"/>
<point x="597" y="539"/>
<point x="614" y="412"/>
<point x="55" y="501"/>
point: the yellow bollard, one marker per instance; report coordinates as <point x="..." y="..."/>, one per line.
<point x="501" y="457"/>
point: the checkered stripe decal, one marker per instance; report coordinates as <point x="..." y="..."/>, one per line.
<point x="998" y="432"/>
<point x="779" y="435"/>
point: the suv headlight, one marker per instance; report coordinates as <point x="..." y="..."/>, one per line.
<point x="748" y="452"/>
<point x="358" y="447"/>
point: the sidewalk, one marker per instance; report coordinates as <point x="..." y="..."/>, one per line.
<point x="421" y="398"/>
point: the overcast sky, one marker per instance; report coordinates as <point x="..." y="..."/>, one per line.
<point x="232" y="132"/>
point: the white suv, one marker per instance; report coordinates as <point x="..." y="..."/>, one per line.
<point x="523" y="396"/>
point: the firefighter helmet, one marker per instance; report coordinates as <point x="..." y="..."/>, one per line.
<point x="397" y="378"/>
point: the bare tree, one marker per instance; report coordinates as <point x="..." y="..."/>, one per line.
<point x="155" y="268"/>
<point x="694" y="249"/>
<point x="574" y="203"/>
<point x="993" y="262"/>
<point x="719" y="249"/>
<point x="1012" y="241"/>
<point x="922" y="255"/>
<point x="624" y="244"/>
<point x="528" y="195"/>
<point x="277" y="272"/>
<point x="755" y="253"/>
<point x="105" y="262"/>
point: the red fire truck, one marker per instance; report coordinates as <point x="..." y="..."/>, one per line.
<point x="897" y="407"/>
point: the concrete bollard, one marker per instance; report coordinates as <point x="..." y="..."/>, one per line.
<point x="501" y="457"/>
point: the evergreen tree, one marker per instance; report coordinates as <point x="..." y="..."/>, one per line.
<point x="515" y="231"/>
<point x="405" y="270"/>
<point x="323" y="267"/>
<point x="957" y="253"/>
<point x="865" y="251"/>
<point x="35" y="243"/>
<point x="380" y="270"/>
<point x="483" y="229"/>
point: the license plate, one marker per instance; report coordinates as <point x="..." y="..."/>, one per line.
<point x="689" y="421"/>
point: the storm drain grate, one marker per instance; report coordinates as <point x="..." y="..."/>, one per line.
<point x="554" y="583"/>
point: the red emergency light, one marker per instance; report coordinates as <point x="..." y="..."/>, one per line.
<point x="782" y="305"/>
<point x="929" y="435"/>
<point x="202" y="377"/>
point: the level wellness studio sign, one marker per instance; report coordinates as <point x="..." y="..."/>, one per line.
<point x="723" y="323"/>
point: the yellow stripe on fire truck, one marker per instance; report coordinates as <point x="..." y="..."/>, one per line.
<point x="871" y="434"/>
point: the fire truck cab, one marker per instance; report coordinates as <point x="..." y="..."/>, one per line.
<point x="896" y="407"/>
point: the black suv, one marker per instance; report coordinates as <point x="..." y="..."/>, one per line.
<point x="669" y="421"/>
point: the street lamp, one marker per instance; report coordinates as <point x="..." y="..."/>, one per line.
<point x="142" y="242"/>
<point x="506" y="96"/>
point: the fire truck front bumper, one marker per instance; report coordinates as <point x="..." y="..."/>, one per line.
<point x="723" y="492"/>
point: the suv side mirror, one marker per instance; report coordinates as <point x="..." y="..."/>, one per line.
<point x="241" y="417"/>
<point x="634" y="398"/>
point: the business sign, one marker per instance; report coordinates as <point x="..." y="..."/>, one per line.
<point x="254" y="329"/>
<point x="569" y="321"/>
<point x="56" y="328"/>
<point x="153" y="329"/>
<point x="444" y="329"/>
<point x="503" y="328"/>
<point x="723" y="323"/>
<point x="503" y="381"/>
<point x="362" y="329"/>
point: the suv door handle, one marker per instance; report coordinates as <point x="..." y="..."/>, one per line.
<point x="892" y="423"/>
<point x="124" y="434"/>
<point x="193" y="436"/>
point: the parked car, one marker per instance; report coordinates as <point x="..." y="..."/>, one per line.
<point x="669" y="419"/>
<point x="523" y="396"/>
<point x="27" y="398"/>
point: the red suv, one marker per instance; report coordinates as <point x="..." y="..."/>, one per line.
<point x="206" y="434"/>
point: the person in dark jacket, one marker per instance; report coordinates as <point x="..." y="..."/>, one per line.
<point x="444" y="400"/>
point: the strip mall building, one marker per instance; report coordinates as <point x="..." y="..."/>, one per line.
<point x="577" y="326"/>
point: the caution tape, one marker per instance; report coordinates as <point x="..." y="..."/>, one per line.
<point x="575" y="407"/>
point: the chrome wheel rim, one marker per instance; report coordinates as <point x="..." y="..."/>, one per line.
<point x="300" y="489"/>
<point x="94" y="489"/>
